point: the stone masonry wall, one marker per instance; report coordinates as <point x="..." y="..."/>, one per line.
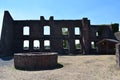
<point x="118" y="55"/>
<point x="12" y="37"/>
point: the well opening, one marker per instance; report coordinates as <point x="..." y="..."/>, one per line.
<point x="35" y="60"/>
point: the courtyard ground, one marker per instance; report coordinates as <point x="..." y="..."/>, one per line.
<point x="92" y="67"/>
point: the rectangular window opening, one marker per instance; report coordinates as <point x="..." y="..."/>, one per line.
<point x="26" y="30"/>
<point x="65" y="44"/>
<point x="65" y="31"/>
<point x="97" y="34"/>
<point x="93" y="46"/>
<point x="77" y="30"/>
<point x="77" y="44"/>
<point x="26" y="45"/>
<point x="47" y="44"/>
<point x="46" y="30"/>
<point x="36" y="45"/>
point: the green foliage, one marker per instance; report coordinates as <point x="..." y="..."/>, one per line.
<point x="47" y="47"/>
<point x="100" y="31"/>
<point x="93" y="46"/>
<point x="65" y="44"/>
<point x="77" y="46"/>
<point x="26" y="48"/>
<point x="115" y="27"/>
<point x="65" y="31"/>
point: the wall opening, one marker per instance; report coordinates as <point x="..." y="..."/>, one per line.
<point x="77" y="30"/>
<point x="97" y="34"/>
<point x="77" y="44"/>
<point x="47" y="44"/>
<point x="65" y="44"/>
<point x="65" y="31"/>
<point x="36" y="45"/>
<point x="26" y="30"/>
<point x="46" y="30"/>
<point x="93" y="45"/>
<point x="26" y="45"/>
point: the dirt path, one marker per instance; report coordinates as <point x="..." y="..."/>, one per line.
<point x="75" y="68"/>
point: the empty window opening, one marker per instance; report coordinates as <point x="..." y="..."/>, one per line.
<point x="65" y="44"/>
<point x="65" y="31"/>
<point x="77" y="44"/>
<point x="47" y="44"/>
<point x="26" y="30"/>
<point x="77" y="31"/>
<point x="26" y="45"/>
<point x="93" y="45"/>
<point x="36" y="45"/>
<point x="46" y="30"/>
<point x="97" y="34"/>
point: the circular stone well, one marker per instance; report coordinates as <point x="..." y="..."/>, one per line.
<point x="35" y="60"/>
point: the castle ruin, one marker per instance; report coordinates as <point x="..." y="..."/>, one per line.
<point x="62" y="36"/>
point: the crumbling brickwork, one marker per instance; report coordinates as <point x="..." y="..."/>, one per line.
<point x="12" y="37"/>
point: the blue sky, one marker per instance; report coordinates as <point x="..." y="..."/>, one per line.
<point x="98" y="11"/>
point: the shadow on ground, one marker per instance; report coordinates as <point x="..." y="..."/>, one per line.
<point x="58" y="66"/>
<point x="7" y="58"/>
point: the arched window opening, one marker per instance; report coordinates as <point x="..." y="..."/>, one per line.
<point x="77" y="31"/>
<point x="46" y="30"/>
<point x="77" y="44"/>
<point x="47" y="44"/>
<point x="26" y="30"/>
<point x="26" y="45"/>
<point x="36" y="45"/>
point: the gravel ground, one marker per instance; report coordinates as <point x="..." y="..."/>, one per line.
<point x="100" y="67"/>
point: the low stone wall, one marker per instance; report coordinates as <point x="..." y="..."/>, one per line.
<point x="33" y="61"/>
<point x="118" y="55"/>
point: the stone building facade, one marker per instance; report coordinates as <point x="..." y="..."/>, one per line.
<point x="62" y="36"/>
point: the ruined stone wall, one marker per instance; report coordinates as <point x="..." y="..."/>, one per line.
<point x="12" y="38"/>
<point x="7" y="35"/>
<point x="118" y="55"/>
<point x="99" y="32"/>
<point x="55" y="37"/>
